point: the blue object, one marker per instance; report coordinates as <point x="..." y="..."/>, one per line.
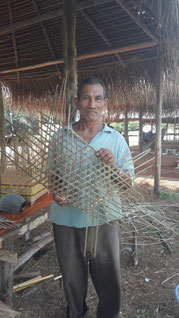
<point x="177" y="293"/>
<point x="12" y="203"/>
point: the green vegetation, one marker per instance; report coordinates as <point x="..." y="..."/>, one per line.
<point x="144" y="315"/>
<point x="20" y="120"/>
<point x="148" y="315"/>
<point x="132" y="126"/>
<point x="169" y="195"/>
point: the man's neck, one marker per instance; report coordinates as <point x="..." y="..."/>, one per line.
<point x="91" y="126"/>
<point x="88" y="130"/>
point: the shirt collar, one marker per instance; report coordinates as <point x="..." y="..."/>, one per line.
<point x="106" y="127"/>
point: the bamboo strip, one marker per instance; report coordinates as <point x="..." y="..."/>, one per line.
<point x="31" y="282"/>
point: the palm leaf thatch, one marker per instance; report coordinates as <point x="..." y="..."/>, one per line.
<point x="117" y="41"/>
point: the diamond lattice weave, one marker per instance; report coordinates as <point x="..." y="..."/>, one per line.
<point x="60" y="160"/>
<point x="74" y="171"/>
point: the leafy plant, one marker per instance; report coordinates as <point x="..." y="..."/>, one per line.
<point x="169" y="195"/>
<point x="19" y="120"/>
<point x="144" y="315"/>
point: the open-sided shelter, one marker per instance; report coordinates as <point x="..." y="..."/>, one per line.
<point x="123" y="42"/>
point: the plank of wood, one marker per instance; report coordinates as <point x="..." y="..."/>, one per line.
<point x="129" y="48"/>
<point x="26" y="275"/>
<point x="7" y="312"/>
<point x="34" y="249"/>
<point x="7" y="256"/>
<point x="6" y="275"/>
<point x="49" y="15"/>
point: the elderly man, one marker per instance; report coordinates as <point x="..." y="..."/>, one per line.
<point x="70" y="222"/>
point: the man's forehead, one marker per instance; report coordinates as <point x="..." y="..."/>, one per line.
<point x="96" y="89"/>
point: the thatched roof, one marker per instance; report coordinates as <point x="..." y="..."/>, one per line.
<point x="116" y="40"/>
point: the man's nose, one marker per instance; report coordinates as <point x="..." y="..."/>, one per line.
<point x="92" y="103"/>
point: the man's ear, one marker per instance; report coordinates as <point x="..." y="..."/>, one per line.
<point x="75" y="101"/>
<point x="105" y="107"/>
<point x="106" y="102"/>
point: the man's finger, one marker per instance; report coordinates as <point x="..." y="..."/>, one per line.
<point x="105" y="155"/>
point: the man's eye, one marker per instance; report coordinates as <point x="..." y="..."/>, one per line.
<point x="99" y="98"/>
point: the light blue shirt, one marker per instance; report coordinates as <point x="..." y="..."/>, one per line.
<point x="73" y="216"/>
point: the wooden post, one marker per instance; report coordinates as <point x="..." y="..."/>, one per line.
<point x="140" y="128"/>
<point x="158" y="115"/>
<point x="2" y="138"/>
<point x="174" y="129"/>
<point x="69" y="53"/>
<point x="126" y="124"/>
<point x="6" y="276"/>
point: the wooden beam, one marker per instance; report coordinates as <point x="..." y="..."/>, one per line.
<point x="130" y="48"/>
<point x="140" y="128"/>
<point x="126" y="123"/>
<point x="102" y="35"/>
<point x="2" y="137"/>
<point x="13" y="38"/>
<point x="26" y="275"/>
<point x="70" y="55"/>
<point x="6" y="275"/>
<point x="137" y="20"/>
<point x="49" y="43"/>
<point x="49" y="15"/>
<point x="21" y="230"/>
<point x="7" y="312"/>
<point x="158" y="116"/>
<point x="22" y="259"/>
<point x="8" y="256"/>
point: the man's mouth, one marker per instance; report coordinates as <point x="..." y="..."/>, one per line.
<point x="92" y="112"/>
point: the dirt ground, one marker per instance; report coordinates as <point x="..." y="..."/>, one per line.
<point x="147" y="289"/>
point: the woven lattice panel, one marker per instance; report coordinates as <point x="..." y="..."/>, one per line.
<point x="63" y="162"/>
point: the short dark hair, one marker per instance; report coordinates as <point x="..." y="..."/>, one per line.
<point x="91" y="81"/>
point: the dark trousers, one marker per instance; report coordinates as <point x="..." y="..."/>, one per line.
<point x="104" y="269"/>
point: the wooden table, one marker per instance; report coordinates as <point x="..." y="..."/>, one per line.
<point x="29" y="219"/>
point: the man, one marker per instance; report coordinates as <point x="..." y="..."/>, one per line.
<point x="70" y="222"/>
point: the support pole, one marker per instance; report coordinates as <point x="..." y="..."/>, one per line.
<point x="140" y="128"/>
<point x="126" y="124"/>
<point x="6" y="276"/>
<point x="158" y="115"/>
<point x="2" y="138"/>
<point x="69" y="53"/>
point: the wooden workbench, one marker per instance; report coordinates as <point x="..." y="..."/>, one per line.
<point x="29" y="219"/>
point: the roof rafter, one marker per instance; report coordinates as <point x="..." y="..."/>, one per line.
<point x="13" y="38"/>
<point x="102" y="35"/>
<point x="44" y="29"/>
<point x="86" y="56"/>
<point x="137" y="20"/>
<point x="50" y="15"/>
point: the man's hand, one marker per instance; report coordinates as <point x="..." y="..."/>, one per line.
<point x="105" y="155"/>
<point x="61" y="200"/>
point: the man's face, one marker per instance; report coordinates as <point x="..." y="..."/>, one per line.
<point x="91" y="103"/>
